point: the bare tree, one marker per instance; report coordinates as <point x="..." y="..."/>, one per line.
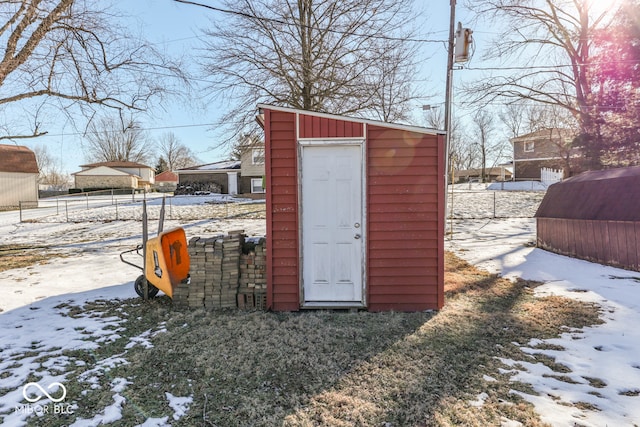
<point x="556" y="37"/>
<point x="175" y="154"/>
<point x="346" y="57"/>
<point x="117" y="139"/>
<point x="491" y="149"/>
<point x="50" y="172"/>
<point x="72" y="54"/>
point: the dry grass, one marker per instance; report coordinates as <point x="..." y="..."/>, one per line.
<point x="331" y="368"/>
<point x="18" y="256"/>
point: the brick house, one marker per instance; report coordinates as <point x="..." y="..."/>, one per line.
<point x="546" y="148"/>
<point x="105" y="175"/>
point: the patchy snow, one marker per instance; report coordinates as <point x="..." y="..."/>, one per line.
<point x="180" y="405"/>
<point x="604" y="360"/>
<point x="35" y="319"/>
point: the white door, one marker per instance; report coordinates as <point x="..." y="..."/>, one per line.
<point x="332" y="232"/>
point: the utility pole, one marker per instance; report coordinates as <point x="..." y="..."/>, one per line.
<point x="447" y="104"/>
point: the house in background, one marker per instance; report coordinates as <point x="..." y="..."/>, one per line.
<point x="244" y="176"/>
<point x="498" y="173"/>
<point x="166" y="181"/>
<point x="218" y="177"/>
<point x="548" y="149"/>
<point x="252" y="169"/>
<point x="18" y="176"/>
<point x="107" y="175"/>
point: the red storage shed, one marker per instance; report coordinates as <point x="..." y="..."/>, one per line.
<point x="594" y="216"/>
<point x="355" y="212"/>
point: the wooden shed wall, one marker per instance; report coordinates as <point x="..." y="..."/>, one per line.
<point x="405" y="208"/>
<point x="405" y="212"/>
<point x="323" y="127"/>
<point x="282" y="211"/>
<point x="615" y="243"/>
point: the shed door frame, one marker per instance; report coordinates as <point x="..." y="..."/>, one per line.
<point x="319" y="142"/>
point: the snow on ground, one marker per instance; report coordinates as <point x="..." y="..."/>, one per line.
<point x="34" y="317"/>
<point x="84" y="266"/>
<point x="604" y="359"/>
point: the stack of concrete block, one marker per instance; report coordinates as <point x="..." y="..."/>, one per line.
<point x="252" y="289"/>
<point x="222" y="275"/>
<point x="231" y="250"/>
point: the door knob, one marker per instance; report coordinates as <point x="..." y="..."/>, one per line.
<point x="357" y="236"/>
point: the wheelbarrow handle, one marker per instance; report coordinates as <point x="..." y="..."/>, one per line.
<point x="137" y="250"/>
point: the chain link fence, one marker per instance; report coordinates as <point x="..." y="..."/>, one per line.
<point x="101" y="207"/>
<point x="481" y="204"/>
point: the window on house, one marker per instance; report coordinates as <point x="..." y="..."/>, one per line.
<point x="256" y="185"/>
<point x="257" y="156"/>
<point x="529" y="146"/>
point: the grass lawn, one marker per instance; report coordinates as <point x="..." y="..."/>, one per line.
<point x="327" y="368"/>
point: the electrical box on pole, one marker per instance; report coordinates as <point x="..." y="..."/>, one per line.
<point x="463" y="44"/>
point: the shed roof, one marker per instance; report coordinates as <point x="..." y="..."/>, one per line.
<point x="612" y="194"/>
<point x="400" y="126"/>
<point x="16" y="158"/>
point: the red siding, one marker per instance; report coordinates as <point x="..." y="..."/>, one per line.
<point x="405" y="220"/>
<point x="405" y="211"/>
<point x="282" y="211"/>
<point x="322" y="127"/>
<point x="607" y="242"/>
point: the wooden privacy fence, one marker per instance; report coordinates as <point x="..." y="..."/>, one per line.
<point x="615" y="243"/>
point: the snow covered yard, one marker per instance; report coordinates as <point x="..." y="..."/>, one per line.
<point x="602" y="384"/>
<point x="70" y="322"/>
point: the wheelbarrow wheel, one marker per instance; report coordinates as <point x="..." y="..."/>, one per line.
<point x="139" y="287"/>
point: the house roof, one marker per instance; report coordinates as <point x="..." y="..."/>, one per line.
<point x="612" y="194"/>
<point x="167" y="176"/>
<point x="103" y="171"/>
<point x="545" y="134"/>
<point x="16" y="158"/>
<point x="116" y="165"/>
<point x="409" y="128"/>
<point x="213" y="167"/>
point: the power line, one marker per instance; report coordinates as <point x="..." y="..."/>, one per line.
<point x="282" y="22"/>
<point x="141" y="128"/>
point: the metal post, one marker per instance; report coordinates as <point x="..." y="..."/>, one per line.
<point x="453" y="180"/>
<point x="161" y="219"/>
<point x="57" y="206"/>
<point x="494" y="204"/>
<point x="87" y="194"/>
<point x="116" y="210"/>
<point x="66" y="209"/>
<point x="112" y="196"/>
<point x="449" y="94"/>
<point x="145" y="234"/>
<point x="20" y="207"/>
